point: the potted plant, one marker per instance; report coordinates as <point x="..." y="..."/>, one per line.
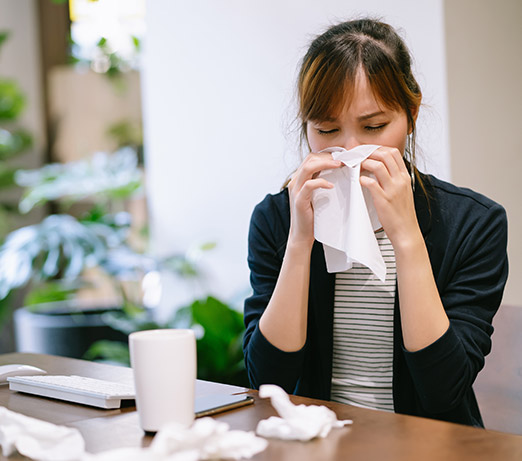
<point x="90" y="231"/>
<point x="52" y="258"/>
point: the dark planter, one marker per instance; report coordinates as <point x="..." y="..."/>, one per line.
<point x="62" y="328"/>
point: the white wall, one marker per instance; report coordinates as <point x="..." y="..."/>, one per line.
<point x="218" y="84"/>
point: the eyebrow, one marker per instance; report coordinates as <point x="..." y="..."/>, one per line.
<point x="326" y="119"/>
<point x="360" y="118"/>
<point x="367" y="116"/>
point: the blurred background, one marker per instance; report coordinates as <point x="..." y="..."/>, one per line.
<point x="136" y="137"/>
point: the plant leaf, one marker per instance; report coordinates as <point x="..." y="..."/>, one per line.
<point x="51" y="292"/>
<point x="4" y="35"/>
<point x="12" y="100"/>
<point x="111" y="351"/>
<point x="13" y="142"/>
<point x="218" y="319"/>
<point x="30" y="252"/>
<point x="101" y="178"/>
<point x="7" y="177"/>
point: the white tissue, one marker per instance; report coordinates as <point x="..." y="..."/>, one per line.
<point x="210" y="439"/>
<point x="37" y="439"/>
<point x="205" y="439"/>
<point x="129" y="454"/>
<point x="297" y="422"/>
<point x="345" y="217"/>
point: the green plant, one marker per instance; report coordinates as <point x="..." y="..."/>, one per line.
<point x="91" y="230"/>
<point x="49" y="258"/>
<point x="14" y="141"/>
<point x="62" y="246"/>
<point x="107" y="60"/>
<point x="127" y="133"/>
<point x="220" y="352"/>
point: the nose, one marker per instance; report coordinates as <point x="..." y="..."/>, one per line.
<point x="349" y="142"/>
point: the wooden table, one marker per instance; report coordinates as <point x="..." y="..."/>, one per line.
<point x="374" y="435"/>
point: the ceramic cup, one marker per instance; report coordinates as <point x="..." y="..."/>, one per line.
<point x="164" y="366"/>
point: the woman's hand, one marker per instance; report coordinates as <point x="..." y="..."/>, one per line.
<point x="304" y="181"/>
<point x="392" y="195"/>
<point x="423" y="318"/>
<point x="285" y="319"/>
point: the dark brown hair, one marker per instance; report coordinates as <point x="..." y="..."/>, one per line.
<point x="329" y="69"/>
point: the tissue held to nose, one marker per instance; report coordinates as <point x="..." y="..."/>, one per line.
<point x="296" y="422"/>
<point x="345" y="217"/>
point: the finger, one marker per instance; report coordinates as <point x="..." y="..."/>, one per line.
<point x="373" y="187"/>
<point x="393" y="159"/>
<point x="312" y="166"/>
<point x="318" y="161"/>
<point x="306" y="192"/>
<point x="369" y="182"/>
<point x="385" y="155"/>
<point x="378" y="169"/>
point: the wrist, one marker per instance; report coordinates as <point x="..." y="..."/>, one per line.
<point x="298" y="242"/>
<point x="413" y="244"/>
<point x="299" y="247"/>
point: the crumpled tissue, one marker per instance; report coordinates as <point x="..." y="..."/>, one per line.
<point x="205" y="439"/>
<point x="345" y="217"/>
<point x="296" y="422"/>
<point x="38" y="439"/>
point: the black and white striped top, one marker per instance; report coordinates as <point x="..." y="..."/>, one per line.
<point x="363" y="334"/>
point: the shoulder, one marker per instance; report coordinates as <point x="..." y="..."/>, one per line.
<point x="450" y="193"/>
<point x="459" y="220"/>
<point x="270" y="223"/>
<point x="456" y="203"/>
<point x="274" y="208"/>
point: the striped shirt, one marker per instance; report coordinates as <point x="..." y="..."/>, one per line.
<point x="363" y="334"/>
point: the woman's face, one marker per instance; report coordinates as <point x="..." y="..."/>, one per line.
<point x="362" y="121"/>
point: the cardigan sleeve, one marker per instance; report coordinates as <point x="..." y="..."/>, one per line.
<point x="268" y="233"/>
<point x="444" y="372"/>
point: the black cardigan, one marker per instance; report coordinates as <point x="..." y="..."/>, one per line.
<point x="466" y="238"/>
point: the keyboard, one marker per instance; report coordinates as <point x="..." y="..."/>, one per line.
<point x="78" y="389"/>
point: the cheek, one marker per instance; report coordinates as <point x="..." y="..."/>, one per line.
<point x="401" y="145"/>
<point x="398" y="137"/>
<point x="314" y="140"/>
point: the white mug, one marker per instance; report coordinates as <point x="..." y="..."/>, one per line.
<point x="164" y="367"/>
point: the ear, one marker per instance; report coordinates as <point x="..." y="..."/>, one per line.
<point x="414" y="115"/>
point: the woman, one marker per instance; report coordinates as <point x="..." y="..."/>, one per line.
<point x="414" y="343"/>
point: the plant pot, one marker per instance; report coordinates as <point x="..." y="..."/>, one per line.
<point x="62" y="328"/>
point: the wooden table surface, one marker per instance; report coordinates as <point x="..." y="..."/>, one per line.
<point x="374" y="435"/>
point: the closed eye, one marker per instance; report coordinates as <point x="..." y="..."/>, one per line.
<point x="327" y="131"/>
<point x="375" y="127"/>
